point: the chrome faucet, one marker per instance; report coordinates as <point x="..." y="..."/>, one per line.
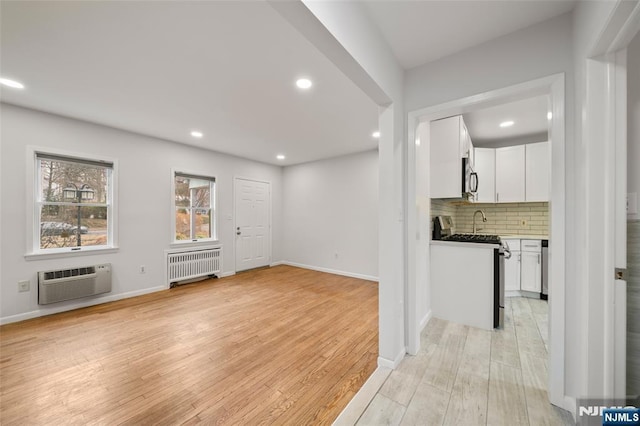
<point x="484" y="219"/>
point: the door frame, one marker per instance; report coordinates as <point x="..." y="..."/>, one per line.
<point x="554" y="87"/>
<point x="605" y="120"/>
<point x="235" y="213"/>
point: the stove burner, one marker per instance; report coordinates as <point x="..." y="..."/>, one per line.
<point x="473" y="238"/>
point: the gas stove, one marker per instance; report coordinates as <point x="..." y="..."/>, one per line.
<point x="473" y="238"/>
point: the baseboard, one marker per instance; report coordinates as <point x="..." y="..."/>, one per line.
<point x="226" y="274"/>
<point x="570" y="406"/>
<point x="424" y="321"/>
<point x="392" y="364"/>
<point x="279" y="262"/>
<point x="78" y="305"/>
<point x="360" y="401"/>
<point x="330" y="271"/>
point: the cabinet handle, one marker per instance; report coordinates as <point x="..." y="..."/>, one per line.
<point x="497" y="197"/>
<point x="538" y="259"/>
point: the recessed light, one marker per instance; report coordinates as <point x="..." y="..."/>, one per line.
<point x="549" y="115"/>
<point x="11" y="83"/>
<point x="280" y="157"/>
<point x="304" y="83"/>
<point x="197" y="134"/>
<point x="376" y="134"/>
<point x="506" y="124"/>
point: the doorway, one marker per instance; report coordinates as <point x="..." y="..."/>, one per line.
<point x="418" y="206"/>
<point x="252" y="223"/>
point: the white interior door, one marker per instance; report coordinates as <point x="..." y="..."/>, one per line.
<point x="253" y="223"/>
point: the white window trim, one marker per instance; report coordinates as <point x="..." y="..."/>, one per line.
<point x="32" y="184"/>
<point x="172" y="204"/>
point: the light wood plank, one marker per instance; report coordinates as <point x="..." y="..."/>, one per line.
<point x="427" y="407"/>
<point x="277" y="345"/>
<point x="382" y="411"/>
<point x="507" y="404"/>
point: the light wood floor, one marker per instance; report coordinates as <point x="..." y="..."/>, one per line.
<point x="468" y="376"/>
<point x="275" y="346"/>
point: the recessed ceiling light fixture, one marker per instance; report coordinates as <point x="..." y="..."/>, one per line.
<point x="376" y="134"/>
<point x="197" y="134"/>
<point x="11" y="83"/>
<point x="304" y="83"/>
<point x="549" y="115"/>
<point x="506" y="124"/>
<point x="280" y="157"/>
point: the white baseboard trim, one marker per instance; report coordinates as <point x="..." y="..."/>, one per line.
<point x="226" y="274"/>
<point x="570" y="406"/>
<point x="424" y="321"/>
<point x="77" y="305"/>
<point x="392" y="364"/>
<point x="361" y="400"/>
<point x="330" y="271"/>
<point x="279" y="262"/>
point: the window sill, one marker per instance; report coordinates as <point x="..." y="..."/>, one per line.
<point x="188" y="243"/>
<point x="87" y="251"/>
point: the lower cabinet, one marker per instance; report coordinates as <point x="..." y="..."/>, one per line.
<point x="512" y="272"/>
<point x="523" y="271"/>
<point x="531" y="272"/>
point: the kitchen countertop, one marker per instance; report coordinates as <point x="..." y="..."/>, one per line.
<point x="524" y="237"/>
<point x="463" y="244"/>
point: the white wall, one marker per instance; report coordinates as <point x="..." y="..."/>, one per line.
<point x="144" y="202"/>
<point x="331" y="214"/>
<point x="633" y="118"/>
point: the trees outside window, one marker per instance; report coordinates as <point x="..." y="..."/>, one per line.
<point x="73" y="203"/>
<point x="194" y="205"/>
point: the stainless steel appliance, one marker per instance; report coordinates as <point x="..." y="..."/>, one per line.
<point x="545" y="270"/>
<point x="442" y="227"/>
<point x="469" y="179"/>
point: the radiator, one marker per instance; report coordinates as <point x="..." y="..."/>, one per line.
<point x="190" y="264"/>
<point x="73" y="283"/>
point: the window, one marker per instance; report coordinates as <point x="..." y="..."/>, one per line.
<point x="194" y="205"/>
<point x="73" y="204"/>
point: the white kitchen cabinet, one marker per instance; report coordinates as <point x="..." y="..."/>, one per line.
<point x="485" y="166"/>
<point x="531" y="266"/>
<point x="450" y="143"/>
<point x="537" y="171"/>
<point x="510" y="175"/>
<point x="512" y="267"/>
<point x="531" y="272"/>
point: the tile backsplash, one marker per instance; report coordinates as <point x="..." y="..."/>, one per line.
<point x="502" y="219"/>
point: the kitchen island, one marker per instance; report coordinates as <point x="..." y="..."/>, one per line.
<point x="462" y="282"/>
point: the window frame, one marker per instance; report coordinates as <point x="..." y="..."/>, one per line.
<point x="213" y="194"/>
<point x="35" y="203"/>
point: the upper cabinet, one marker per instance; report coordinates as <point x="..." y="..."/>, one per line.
<point x="485" y="166"/>
<point x="510" y="175"/>
<point x="537" y="171"/>
<point x="450" y="143"/>
<point x="513" y="174"/>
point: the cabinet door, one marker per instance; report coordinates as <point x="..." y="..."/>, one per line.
<point x="510" y="165"/>
<point x="512" y="272"/>
<point x="537" y="171"/>
<point x="485" y="166"/>
<point x="531" y="272"/>
<point x="446" y="159"/>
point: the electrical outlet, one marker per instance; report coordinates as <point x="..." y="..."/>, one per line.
<point x="24" y="285"/>
<point x="143" y="269"/>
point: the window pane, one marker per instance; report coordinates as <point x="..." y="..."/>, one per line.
<point x="182" y="191"/>
<point x="202" y="221"/>
<point x="183" y="224"/>
<point x="56" y="175"/>
<point x="59" y="226"/>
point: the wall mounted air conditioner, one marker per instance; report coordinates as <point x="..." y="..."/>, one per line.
<point x="73" y="283"/>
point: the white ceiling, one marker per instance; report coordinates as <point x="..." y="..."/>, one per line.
<point x="424" y="31"/>
<point x="529" y="117"/>
<point x="225" y="68"/>
<point x="165" y="68"/>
